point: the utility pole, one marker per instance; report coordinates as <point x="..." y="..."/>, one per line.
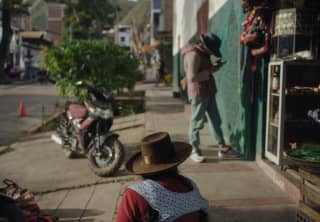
<point x="116" y="27"/>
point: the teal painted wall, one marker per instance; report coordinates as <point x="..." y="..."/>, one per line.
<point x="241" y="94"/>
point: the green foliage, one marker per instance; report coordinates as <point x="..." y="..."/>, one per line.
<point x="106" y="65"/>
<point x="87" y="19"/>
<point x="16" y="7"/>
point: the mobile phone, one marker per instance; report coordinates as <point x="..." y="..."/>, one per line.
<point x="221" y="61"/>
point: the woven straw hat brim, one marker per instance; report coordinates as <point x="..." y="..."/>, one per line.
<point x="137" y="166"/>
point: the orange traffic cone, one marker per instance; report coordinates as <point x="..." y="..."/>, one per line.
<point x="22" y="111"/>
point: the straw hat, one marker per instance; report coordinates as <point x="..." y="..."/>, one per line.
<point x="158" y="153"/>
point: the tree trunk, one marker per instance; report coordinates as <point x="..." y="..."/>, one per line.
<point x="6" y="37"/>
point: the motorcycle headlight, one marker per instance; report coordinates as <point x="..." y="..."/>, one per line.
<point x="104" y="114"/>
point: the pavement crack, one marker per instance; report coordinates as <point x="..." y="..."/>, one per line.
<point x="109" y="181"/>
<point x="60" y="203"/>
<point x="87" y="204"/>
<point x="120" y="193"/>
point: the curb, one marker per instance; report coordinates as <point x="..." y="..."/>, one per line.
<point x="37" y="127"/>
<point x="137" y="123"/>
<point x="123" y="180"/>
<point x="128" y="127"/>
<point x="5" y="149"/>
<point x="129" y="122"/>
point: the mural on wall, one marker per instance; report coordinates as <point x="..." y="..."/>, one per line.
<point x="256" y="28"/>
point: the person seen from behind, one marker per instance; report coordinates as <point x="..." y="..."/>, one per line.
<point x="164" y="194"/>
<point x="201" y="88"/>
<point x="161" y="68"/>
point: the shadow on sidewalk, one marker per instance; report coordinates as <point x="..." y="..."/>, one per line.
<point x="167" y="109"/>
<point x="266" y="213"/>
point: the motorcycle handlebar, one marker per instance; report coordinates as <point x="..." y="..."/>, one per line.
<point x="97" y="92"/>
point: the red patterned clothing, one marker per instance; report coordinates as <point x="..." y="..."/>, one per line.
<point x="134" y="207"/>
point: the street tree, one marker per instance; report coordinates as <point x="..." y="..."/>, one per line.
<point x="87" y="19"/>
<point x="9" y="8"/>
<point x="103" y="63"/>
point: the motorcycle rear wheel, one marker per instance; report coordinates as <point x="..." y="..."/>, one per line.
<point x="110" y="160"/>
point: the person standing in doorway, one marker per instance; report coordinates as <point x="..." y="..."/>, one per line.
<point x="201" y="89"/>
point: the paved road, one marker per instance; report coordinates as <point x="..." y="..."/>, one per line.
<point x="35" y="97"/>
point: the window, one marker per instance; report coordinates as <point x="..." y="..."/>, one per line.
<point x="156" y="4"/>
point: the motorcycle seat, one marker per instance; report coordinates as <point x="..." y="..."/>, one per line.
<point x="78" y="111"/>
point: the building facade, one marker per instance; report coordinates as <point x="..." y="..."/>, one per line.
<point x="55" y="24"/>
<point x="45" y="16"/>
<point x="124" y="36"/>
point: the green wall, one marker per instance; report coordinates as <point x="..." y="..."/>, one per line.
<point x="241" y="94"/>
<point x="243" y="119"/>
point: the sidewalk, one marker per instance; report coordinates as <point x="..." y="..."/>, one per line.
<point x="237" y="191"/>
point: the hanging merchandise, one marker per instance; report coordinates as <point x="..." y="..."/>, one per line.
<point x="256" y="28"/>
<point x="314" y="115"/>
<point x="248" y="5"/>
<point x="295" y="34"/>
<point x="275" y="79"/>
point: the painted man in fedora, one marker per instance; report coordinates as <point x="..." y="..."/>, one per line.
<point x="164" y="194"/>
<point x="201" y="92"/>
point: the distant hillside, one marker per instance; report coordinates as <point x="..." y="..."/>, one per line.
<point x="125" y="7"/>
<point x="140" y="13"/>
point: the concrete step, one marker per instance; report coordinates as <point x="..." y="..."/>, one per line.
<point x="128" y="122"/>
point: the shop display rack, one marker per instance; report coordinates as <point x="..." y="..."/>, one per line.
<point x="293" y="90"/>
<point x="295" y="34"/>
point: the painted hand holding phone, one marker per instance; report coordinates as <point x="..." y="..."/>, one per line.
<point x="256" y="29"/>
<point x="256" y="32"/>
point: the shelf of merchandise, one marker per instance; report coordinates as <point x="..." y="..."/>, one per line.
<point x="297" y="89"/>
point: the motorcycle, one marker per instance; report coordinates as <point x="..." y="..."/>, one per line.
<point x="85" y="129"/>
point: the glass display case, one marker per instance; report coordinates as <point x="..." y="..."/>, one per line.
<point x="295" y="34"/>
<point x="293" y="91"/>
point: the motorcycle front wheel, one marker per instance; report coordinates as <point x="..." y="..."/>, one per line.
<point x="108" y="160"/>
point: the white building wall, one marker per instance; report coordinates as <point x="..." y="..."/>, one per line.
<point x="185" y="19"/>
<point x="184" y="22"/>
<point x="125" y="34"/>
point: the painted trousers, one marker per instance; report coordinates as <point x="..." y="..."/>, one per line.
<point x="201" y="106"/>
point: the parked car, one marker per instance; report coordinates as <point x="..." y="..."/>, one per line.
<point x="14" y="72"/>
